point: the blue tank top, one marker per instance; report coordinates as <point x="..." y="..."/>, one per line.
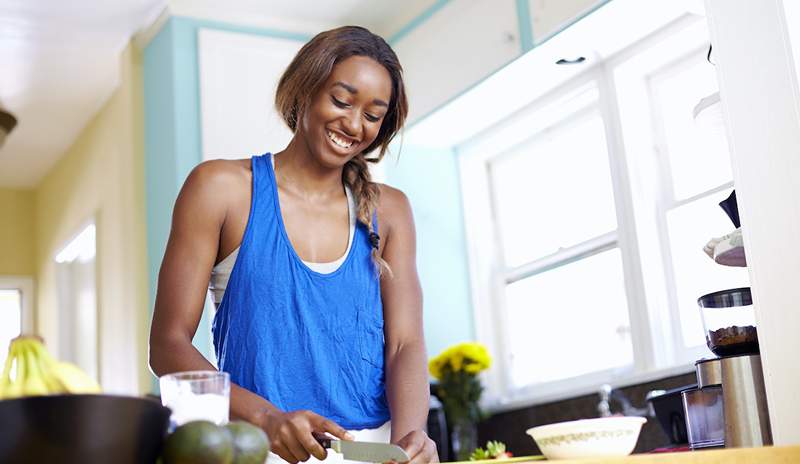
<point x="298" y="338"/>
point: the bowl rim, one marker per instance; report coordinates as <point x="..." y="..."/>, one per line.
<point x="622" y="421"/>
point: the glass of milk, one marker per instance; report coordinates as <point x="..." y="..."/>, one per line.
<point x="196" y="395"/>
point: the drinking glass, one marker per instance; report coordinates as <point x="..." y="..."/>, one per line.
<point x="196" y="395"/>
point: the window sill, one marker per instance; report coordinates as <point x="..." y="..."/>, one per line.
<point x="573" y="388"/>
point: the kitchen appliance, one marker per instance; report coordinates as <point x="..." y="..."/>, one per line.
<point x="364" y="451"/>
<point x="670" y="412"/>
<point x="729" y="406"/>
<point x="80" y="429"/>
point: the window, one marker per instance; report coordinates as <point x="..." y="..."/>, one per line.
<point x="15" y="311"/>
<point x="693" y="180"/>
<point x="554" y="207"/>
<point x="586" y="216"/>
<point x="10" y="319"/>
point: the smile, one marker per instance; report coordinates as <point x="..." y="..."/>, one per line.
<point x="339" y="140"/>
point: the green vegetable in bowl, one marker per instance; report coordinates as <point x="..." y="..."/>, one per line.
<point x="494" y="450"/>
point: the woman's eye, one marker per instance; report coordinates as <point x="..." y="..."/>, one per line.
<point x="339" y="103"/>
<point x="372" y="117"/>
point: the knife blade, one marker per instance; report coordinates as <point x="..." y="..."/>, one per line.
<point x="363" y="450"/>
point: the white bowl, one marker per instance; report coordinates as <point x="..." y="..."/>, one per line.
<point x="588" y="438"/>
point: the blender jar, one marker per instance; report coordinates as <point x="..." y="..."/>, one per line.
<point x="729" y="322"/>
<point x="705" y="417"/>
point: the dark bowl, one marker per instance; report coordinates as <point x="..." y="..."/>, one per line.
<point x="82" y="429"/>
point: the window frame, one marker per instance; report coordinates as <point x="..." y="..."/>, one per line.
<point x="485" y="253"/>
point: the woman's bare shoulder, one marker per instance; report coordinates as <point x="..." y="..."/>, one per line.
<point x="394" y="208"/>
<point x="219" y="174"/>
<point x="216" y="184"/>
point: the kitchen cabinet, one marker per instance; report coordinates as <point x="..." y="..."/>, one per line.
<point x="238" y="77"/>
<point x="458" y="46"/>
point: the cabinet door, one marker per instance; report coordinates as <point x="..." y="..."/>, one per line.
<point x="238" y="77"/>
<point x="458" y="46"/>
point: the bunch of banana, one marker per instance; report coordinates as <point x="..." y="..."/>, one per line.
<point x="38" y="373"/>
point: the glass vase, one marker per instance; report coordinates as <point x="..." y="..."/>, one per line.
<point x="463" y="439"/>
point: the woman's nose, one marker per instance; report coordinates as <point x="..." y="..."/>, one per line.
<point x="352" y="124"/>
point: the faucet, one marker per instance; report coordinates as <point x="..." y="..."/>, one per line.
<point x="607" y="394"/>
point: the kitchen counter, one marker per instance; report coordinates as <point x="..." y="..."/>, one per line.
<point x="764" y="455"/>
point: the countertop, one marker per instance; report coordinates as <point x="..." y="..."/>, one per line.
<point x="764" y="455"/>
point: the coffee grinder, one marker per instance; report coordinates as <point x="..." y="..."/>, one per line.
<point x="729" y="406"/>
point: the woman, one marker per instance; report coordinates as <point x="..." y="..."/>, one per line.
<point x="312" y="265"/>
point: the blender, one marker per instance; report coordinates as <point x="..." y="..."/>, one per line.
<point x="729" y="406"/>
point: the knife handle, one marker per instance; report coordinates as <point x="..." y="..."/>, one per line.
<point x="322" y="439"/>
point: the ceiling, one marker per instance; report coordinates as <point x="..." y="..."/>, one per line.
<point x="59" y="60"/>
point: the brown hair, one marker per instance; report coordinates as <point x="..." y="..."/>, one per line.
<point x="304" y="77"/>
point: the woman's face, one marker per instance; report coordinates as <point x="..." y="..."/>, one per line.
<point x="344" y="117"/>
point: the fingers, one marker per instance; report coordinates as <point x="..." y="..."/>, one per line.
<point x="297" y="449"/>
<point x="335" y="429"/>
<point x="420" y="448"/>
<point x="310" y="444"/>
<point x="284" y="453"/>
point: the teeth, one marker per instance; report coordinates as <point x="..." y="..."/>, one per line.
<point x="339" y="141"/>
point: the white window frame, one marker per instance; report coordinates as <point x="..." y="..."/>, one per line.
<point x="488" y="277"/>
<point x="25" y="286"/>
<point x="667" y="201"/>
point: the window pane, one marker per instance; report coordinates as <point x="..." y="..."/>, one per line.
<point x="554" y="191"/>
<point x="569" y="321"/>
<point x="694" y="166"/>
<point x="690" y="227"/>
<point x="10" y="320"/>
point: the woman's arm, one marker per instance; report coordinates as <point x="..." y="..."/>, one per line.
<point x="197" y="221"/>
<point x="406" y="366"/>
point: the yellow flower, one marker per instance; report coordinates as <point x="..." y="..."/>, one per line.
<point x="470" y="357"/>
<point x="456" y="361"/>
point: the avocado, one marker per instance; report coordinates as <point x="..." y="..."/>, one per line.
<point x="250" y="443"/>
<point x="198" y="442"/>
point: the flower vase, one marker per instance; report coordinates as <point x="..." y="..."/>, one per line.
<point x="463" y="439"/>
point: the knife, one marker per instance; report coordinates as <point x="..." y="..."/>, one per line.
<point x="363" y="450"/>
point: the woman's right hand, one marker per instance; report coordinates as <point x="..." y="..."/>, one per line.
<point x="290" y="434"/>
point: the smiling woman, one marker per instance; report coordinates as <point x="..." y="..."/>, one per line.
<point x="296" y="279"/>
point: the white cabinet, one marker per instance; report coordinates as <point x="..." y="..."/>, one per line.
<point x="238" y="77"/>
<point x="548" y="17"/>
<point x="457" y="47"/>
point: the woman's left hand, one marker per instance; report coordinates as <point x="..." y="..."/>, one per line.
<point x="420" y="448"/>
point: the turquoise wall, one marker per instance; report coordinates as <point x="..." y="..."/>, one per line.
<point x="173" y="134"/>
<point x="172" y="140"/>
<point x="429" y="177"/>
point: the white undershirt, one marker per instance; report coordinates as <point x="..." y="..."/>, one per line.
<point x="221" y="273"/>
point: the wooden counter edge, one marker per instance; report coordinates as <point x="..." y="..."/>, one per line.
<point x="763" y="455"/>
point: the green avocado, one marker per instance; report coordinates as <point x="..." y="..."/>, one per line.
<point x="198" y="442"/>
<point x="250" y="443"/>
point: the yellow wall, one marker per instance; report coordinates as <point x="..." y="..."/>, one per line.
<point x="101" y="178"/>
<point x="17" y="243"/>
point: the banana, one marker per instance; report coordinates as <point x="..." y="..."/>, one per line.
<point x="74" y="379"/>
<point x="13" y="389"/>
<point x="54" y="385"/>
<point x="6" y="387"/>
<point x="34" y="384"/>
<point x="38" y="373"/>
